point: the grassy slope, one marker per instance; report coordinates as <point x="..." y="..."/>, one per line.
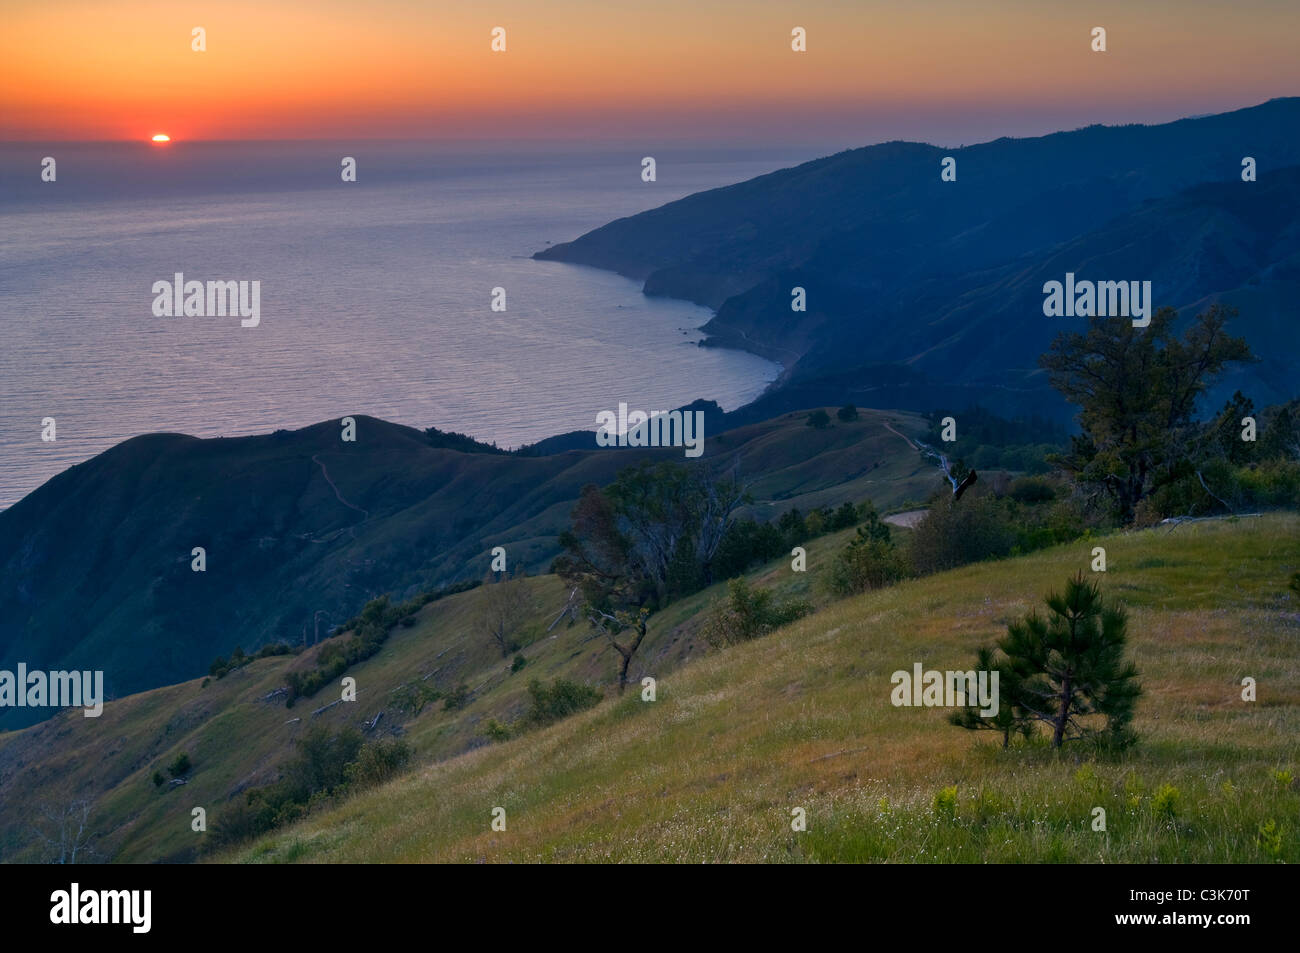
<point x="712" y="769"/>
<point x="237" y="739"/>
<point x="280" y="546"/>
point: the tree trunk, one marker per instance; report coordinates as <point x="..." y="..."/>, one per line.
<point x="627" y="656"/>
<point x="1058" y="733"/>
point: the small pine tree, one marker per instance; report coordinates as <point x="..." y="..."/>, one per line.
<point x="1066" y="670"/>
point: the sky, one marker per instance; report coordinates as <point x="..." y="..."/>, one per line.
<point x="950" y="72"/>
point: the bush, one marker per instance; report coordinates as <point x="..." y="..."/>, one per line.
<point x="945" y="802"/>
<point x="951" y="535"/>
<point x="1032" y="489"/>
<point x="819" y="420"/>
<point x="844" y="517"/>
<point x="518" y="663"/>
<point x="179" y="766"/>
<point x="321" y="763"/>
<point x="558" y="700"/>
<point x="326" y="764"/>
<point x="158" y="779"/>
<point x="1272" y="483"/>
<point x="792" y="527"/>
<point x="376" y="763"/>
<point x="1165" y="801"/>
<point x="496" y="731"/>
<point x="867" y="562"/>
<point x="413" y="696"/>
<point x="748" y="614"/>
<point x="746" y="543"/>
<point x="457" y="698"/>
<point x="1269" y="838"/>
<point x="238" y="822"/>
<point x="847" y="413"/>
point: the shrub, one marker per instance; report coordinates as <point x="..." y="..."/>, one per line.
<point x="518" y="663"/>
<point x="238" y="822"/>
<point x="158" y="779"/>
<point x="326" y="763"/>
<point x="1271" y="483"/>
<point x="952" y="535"/>
<point x="1230" y="488"/>
<point x="413" y="696"/>
<point x="847" y="413"/>
<point x="747" y="542"/>
<point x="792" y="527"/>
<point x="376" y="763"/>
<point x="819" y="420"/>
<point x="945" y="802"/>
<point x="1032" y="489"/>
<point x="558" y="700"/>
<point x="844" y="517"/>
<point x="456" y="698"/>
<point x="748" y="613"/>
<point x="1268" y="837"/>
<point x="870" y="560"/>
<point x="180" y="765"/>
<point x="321" y="763"/>
<point x="496" y="731"/>
<point x="866" y="564"/>
<point x="1165" y="800"/>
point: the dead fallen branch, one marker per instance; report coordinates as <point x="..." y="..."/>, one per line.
<point x="326" y="707"/>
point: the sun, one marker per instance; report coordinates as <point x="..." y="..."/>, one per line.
<point x="162" y="137"/>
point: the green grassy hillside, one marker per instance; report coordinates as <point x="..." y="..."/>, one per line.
<point x="300" y="526"/>
<point x="739" y="737"/>
<point x="712" y="769"/>
<point x="239" y="734"/>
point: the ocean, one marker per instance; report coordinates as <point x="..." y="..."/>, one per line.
<point x="375" y="296"/>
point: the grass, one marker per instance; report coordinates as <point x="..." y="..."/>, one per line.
<point x="239" y="733"/>
<point x="712" y="770"/>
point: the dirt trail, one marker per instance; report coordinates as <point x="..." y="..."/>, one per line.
<point x="908" y="519"/>
<point x="325" y="473"/>
<point x="904" y="436"/>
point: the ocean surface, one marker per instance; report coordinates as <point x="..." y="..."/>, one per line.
<point x="375" y="295"/>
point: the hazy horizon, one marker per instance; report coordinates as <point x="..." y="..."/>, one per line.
<point x="1048" y="127"/>
<point x="945" y="72"/>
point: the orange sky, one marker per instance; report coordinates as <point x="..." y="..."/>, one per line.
<point x="89" y="69"/>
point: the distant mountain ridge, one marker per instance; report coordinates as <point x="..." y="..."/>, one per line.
<point x="905" y="271"/>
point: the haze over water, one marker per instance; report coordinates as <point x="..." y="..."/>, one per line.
<point x="375" y="295"/>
